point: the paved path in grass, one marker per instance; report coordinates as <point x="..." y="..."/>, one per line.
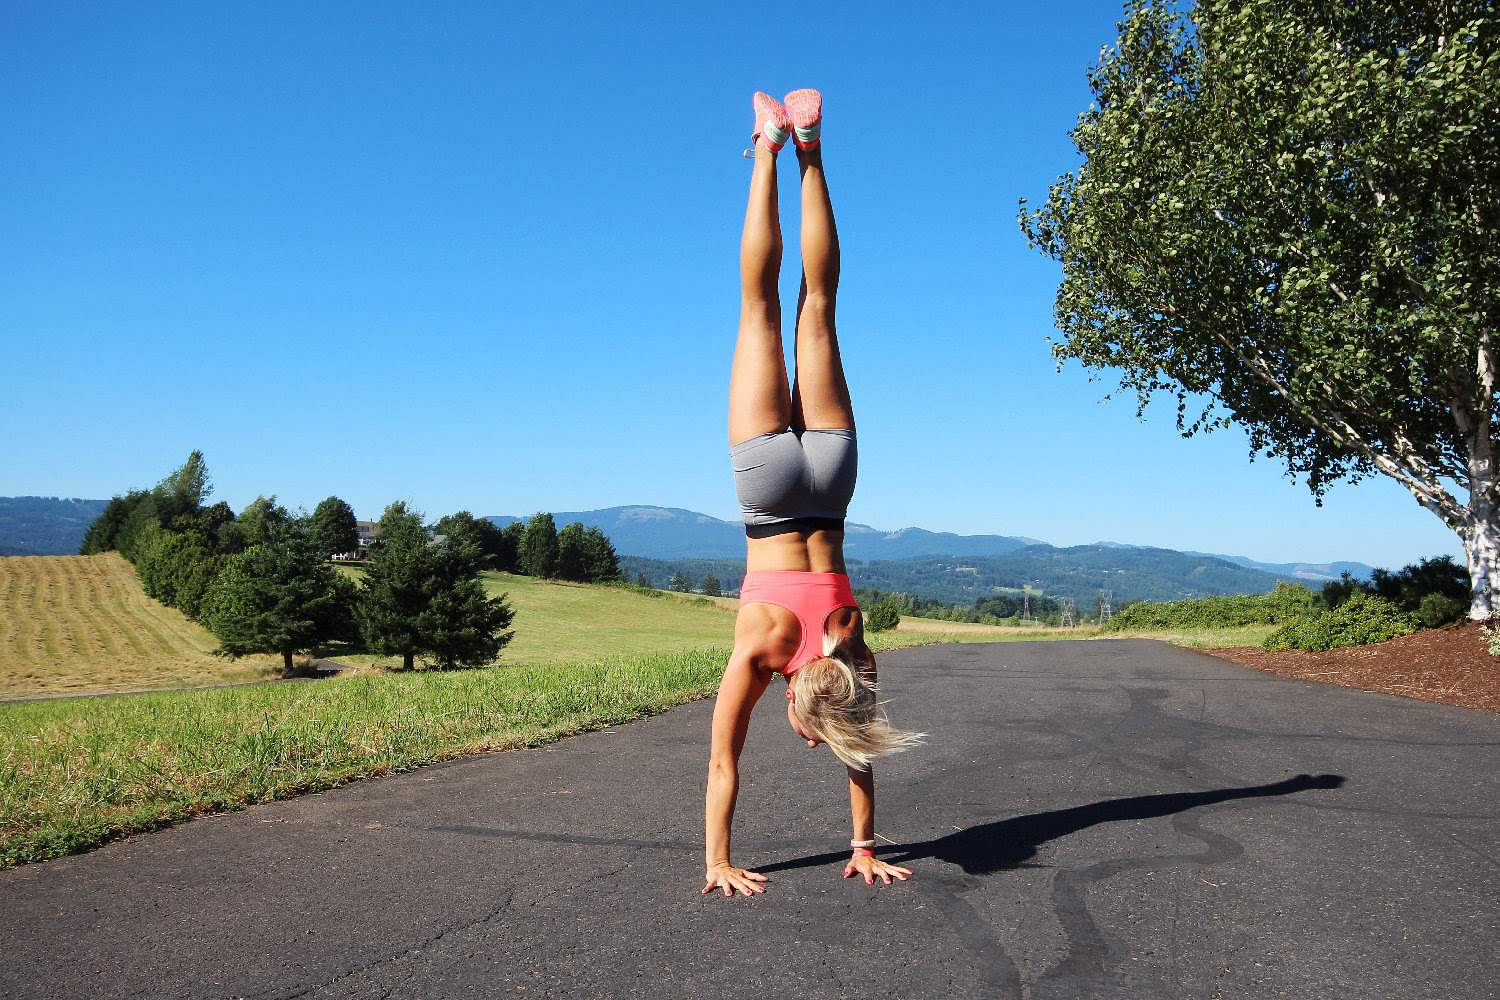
<point x="1091" y="819"/>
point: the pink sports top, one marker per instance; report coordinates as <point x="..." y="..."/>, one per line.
<point x="812" y="597"/>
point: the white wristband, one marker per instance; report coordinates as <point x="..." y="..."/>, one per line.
<point x="862" y="843"/>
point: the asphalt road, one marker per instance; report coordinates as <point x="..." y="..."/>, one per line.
<point x="1090" y="819"/>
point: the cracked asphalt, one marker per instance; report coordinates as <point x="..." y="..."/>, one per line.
<point x="1090" y="819"/>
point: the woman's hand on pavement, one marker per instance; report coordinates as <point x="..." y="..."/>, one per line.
<point x="871" y="867"/>
<point x="730" y="878"/>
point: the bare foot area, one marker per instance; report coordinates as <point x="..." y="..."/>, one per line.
<point x="1450" y="665"/>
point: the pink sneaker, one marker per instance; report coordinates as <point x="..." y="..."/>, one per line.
<point x="772" y="127"/>
<point x="805" y="109"/>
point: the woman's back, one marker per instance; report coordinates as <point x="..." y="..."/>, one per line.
<point x="820" y="551"/>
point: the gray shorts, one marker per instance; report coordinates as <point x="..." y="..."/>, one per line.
<point x="795" y="480"/>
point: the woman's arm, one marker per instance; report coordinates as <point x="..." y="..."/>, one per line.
<point x="862" y="811"/>
<point x="862" y="808"/>
<point x="739" y="690"/>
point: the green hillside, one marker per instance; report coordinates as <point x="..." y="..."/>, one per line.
<point x="559" y="622"/>
<point x="82" y="625"/>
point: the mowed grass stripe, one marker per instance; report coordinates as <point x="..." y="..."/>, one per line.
<point x="116" y="606"/>
<point x="105" y="594"/>
<point x="144" y="613"/>
<point x="10" y="614"/>
<point x="82" y="624"/>
<point x="26" y="617"/>
<point x="50" y="610"/>
<point x="93" y="634"/>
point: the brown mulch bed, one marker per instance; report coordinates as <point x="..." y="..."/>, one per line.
<point x="1451" y="665"/>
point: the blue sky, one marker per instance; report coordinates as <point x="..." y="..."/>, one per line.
<point x="483" y="256"/>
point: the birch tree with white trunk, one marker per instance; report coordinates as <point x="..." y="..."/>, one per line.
<point x="1289" y="209"/>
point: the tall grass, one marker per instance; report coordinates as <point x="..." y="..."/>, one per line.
<point x="76" y="773"/>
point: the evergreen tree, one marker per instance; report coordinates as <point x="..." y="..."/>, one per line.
<point x="140" y="528"/>
<point x="570" y="553"/>
<point x="711" y="585"/>
<point x="229" y="538"/>
<point x="194" y="569"/>
<point x="209" y="520"/>
<point x="332" y="528"/>
<point x="278" y="596"/>
<point x="601" y="564"/>
<point x="641" y="581"/>
<point x="488" y="540"/>
<point x="130" y="523"/>
<point x="463" y="626"/>
<point x="421" y="598"/>
<point x="538" y="550"/>
<point x="882" y="617"/>
<point x="508" y="556"/>
<point x="185" y="489"/>
<point x="258" y="521"/>
<point x="103" y="534"/>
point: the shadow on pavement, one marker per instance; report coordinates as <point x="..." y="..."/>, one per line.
<point x="1009" y="843"/>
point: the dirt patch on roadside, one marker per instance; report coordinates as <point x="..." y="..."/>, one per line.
<point x="1450" y="665"/>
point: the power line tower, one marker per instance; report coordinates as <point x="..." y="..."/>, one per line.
<point x="1026" y="607"/>
<point x="1067" y="611"/>
<point x="1106" y="606"/>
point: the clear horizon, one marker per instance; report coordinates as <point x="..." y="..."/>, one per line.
<point x="391" y="253"/>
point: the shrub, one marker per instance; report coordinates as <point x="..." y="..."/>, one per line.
<point x="1360" y="621"/>
<point x="1491" y="637"/>
<point x="882" y="617"/>
<point x="1287" y="601"/>
<point x="1436" y="590"/>
<point x="178" y="569"/>
<point x="1436" y="610"/>
<point x="1337" y="592"/>
<point x="1408" y="586"/>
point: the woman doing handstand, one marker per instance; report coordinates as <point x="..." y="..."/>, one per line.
<point x="794" y="457"/>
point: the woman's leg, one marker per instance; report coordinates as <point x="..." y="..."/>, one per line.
<point x="759" y="400"/>
<point x="820" y="398"/>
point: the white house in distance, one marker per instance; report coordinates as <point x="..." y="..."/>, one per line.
<point x="367" y="532"/>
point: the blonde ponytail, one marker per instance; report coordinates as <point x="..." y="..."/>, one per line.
<point x="835" y="704"/>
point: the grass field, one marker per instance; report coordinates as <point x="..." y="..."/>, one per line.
<point x="77" y="772"/>
<point x="82" y="624"/>
<point x="560" y="622"/>
<point x="1239" y="635"/>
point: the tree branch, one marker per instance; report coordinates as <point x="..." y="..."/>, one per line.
<point x="1418" y="478"/>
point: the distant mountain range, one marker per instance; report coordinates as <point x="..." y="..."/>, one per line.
<point x="45" y="526"/>
<point x="671" y="533"/>
<point x="941" y="565"/>
<point x="674" y="533"/>
<point x="1312" y="572"/>
<point x="1081" y="572"/>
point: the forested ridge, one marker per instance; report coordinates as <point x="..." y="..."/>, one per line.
<point x="1079" y="572"/>
<point x="45" y="526"/>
